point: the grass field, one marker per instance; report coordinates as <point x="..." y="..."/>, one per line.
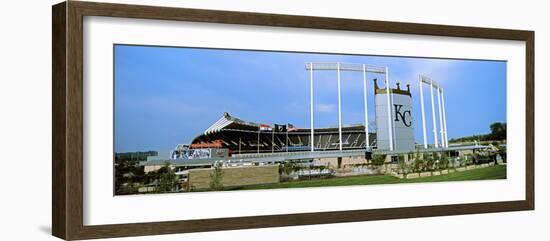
<point x="488" y="173"/>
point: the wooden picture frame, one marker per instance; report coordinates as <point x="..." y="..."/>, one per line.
<point x="67" y="124"/>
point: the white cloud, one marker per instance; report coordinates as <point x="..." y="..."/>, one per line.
<point x="325" y="107"/>
<point x="437" y="69"/>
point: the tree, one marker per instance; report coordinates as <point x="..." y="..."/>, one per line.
<point x="167" y="179"/>
<point x="498" y="131"/>
<point x="403" y="166"/>
<point x="129" y="175"/>
<point x="418" y="163"/>
<point x="216" y="177"/>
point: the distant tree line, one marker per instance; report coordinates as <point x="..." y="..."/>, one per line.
<point x="128" y="171"/>
<point x="498" y="133"/>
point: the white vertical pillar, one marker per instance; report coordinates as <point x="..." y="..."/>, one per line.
<point x="311" y="104"/>
<point x="339" y="109"/>
<point x="393" y="121"/>
<point x="440" y="117"/>
<point x="366" y="108"/>
<point x="424" y="137"/>
<point x="433" y="114"/>
<point x="390" y="116"/>
<point x="286" y="140"/>
<point x="444" y="118"/>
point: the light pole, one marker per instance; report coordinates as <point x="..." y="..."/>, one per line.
<point x="433" y="114"/>
<point x="444" y="117"/>
<point x="441" y="128"/>
<point x="367" y="144"/>
<point x="424" y="137"/>
<point x="311" y="105"/>
<point x="339" y="108"/>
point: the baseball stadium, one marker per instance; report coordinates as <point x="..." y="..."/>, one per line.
<point x="233" y="153"/>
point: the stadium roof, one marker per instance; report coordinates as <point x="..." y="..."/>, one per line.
<point x="229" y="121"/>
<point x="241" y="136"/>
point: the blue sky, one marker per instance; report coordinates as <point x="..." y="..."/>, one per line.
<point x="165" y="96"/>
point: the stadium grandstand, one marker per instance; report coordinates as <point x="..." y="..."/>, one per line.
<point x="240" y="136"/>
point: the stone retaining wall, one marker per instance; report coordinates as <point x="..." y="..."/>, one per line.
<point x="441" y="172"/>
<point x="234" y="176"/>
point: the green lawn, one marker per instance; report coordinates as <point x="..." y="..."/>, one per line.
<point x="488" y="173"/>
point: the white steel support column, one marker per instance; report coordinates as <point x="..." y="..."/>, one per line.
<point x="390" y="116"/>
<point x="392" y="121"/>
<point x="441" y="129"/>
<point x="311" y="105"/>
<point x="424" y="137"/>
<point x="339" y="108"/>
<point x="273" y="140"/>
<point x="444" y="118"/>
<point x="436" y="143"/>
<point x="367" y="144"/>
<point x="286" y="140"/>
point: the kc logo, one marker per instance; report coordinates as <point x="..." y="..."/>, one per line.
<point x="402" y="116"/>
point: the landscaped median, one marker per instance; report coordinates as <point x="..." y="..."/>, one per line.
<point x="439" y="172"/>
<point x="474" y="173"/>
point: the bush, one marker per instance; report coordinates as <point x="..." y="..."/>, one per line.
<point x="216" y="178"/>
<point x="443" y="161"/>
<point x="467" y="160"/>
<point x="429" y="161"/>
<point x="287" y="168"/>
<point x="378" y="160"/>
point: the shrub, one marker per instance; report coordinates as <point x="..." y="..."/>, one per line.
<point x="418" y="164"/>
<point x="429" y="162"/>
<point x="216" y="178"/>
<point x="287" y="168"/>
<point x="378" y="160"/>
<point x="443" y="161"/>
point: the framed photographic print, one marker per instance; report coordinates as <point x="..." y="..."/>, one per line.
<point x="171" y="120"/>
